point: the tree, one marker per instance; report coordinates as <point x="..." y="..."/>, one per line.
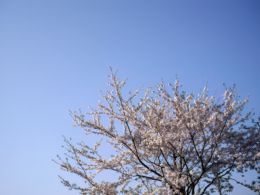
<point x="179" y="144"/>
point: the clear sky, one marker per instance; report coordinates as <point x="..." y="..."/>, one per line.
<point x="55" y="55"/>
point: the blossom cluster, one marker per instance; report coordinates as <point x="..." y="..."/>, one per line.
<point x="169" y="143"/>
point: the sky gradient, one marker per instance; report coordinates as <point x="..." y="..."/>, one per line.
<point x="55" y="55"/>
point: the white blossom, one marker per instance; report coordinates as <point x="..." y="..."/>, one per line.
<point x="169" y="143"/>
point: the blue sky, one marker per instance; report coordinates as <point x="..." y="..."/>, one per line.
<point x="55" y="55"/>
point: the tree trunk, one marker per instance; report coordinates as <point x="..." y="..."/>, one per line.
<point x="219" y="185"/>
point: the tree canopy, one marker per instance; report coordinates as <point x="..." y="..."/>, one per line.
<point x="171" y="143"/>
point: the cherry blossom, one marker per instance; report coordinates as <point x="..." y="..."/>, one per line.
<point x="170" y="142"/>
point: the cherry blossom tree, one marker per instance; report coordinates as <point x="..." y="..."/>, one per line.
<point x="170" y="142"/>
